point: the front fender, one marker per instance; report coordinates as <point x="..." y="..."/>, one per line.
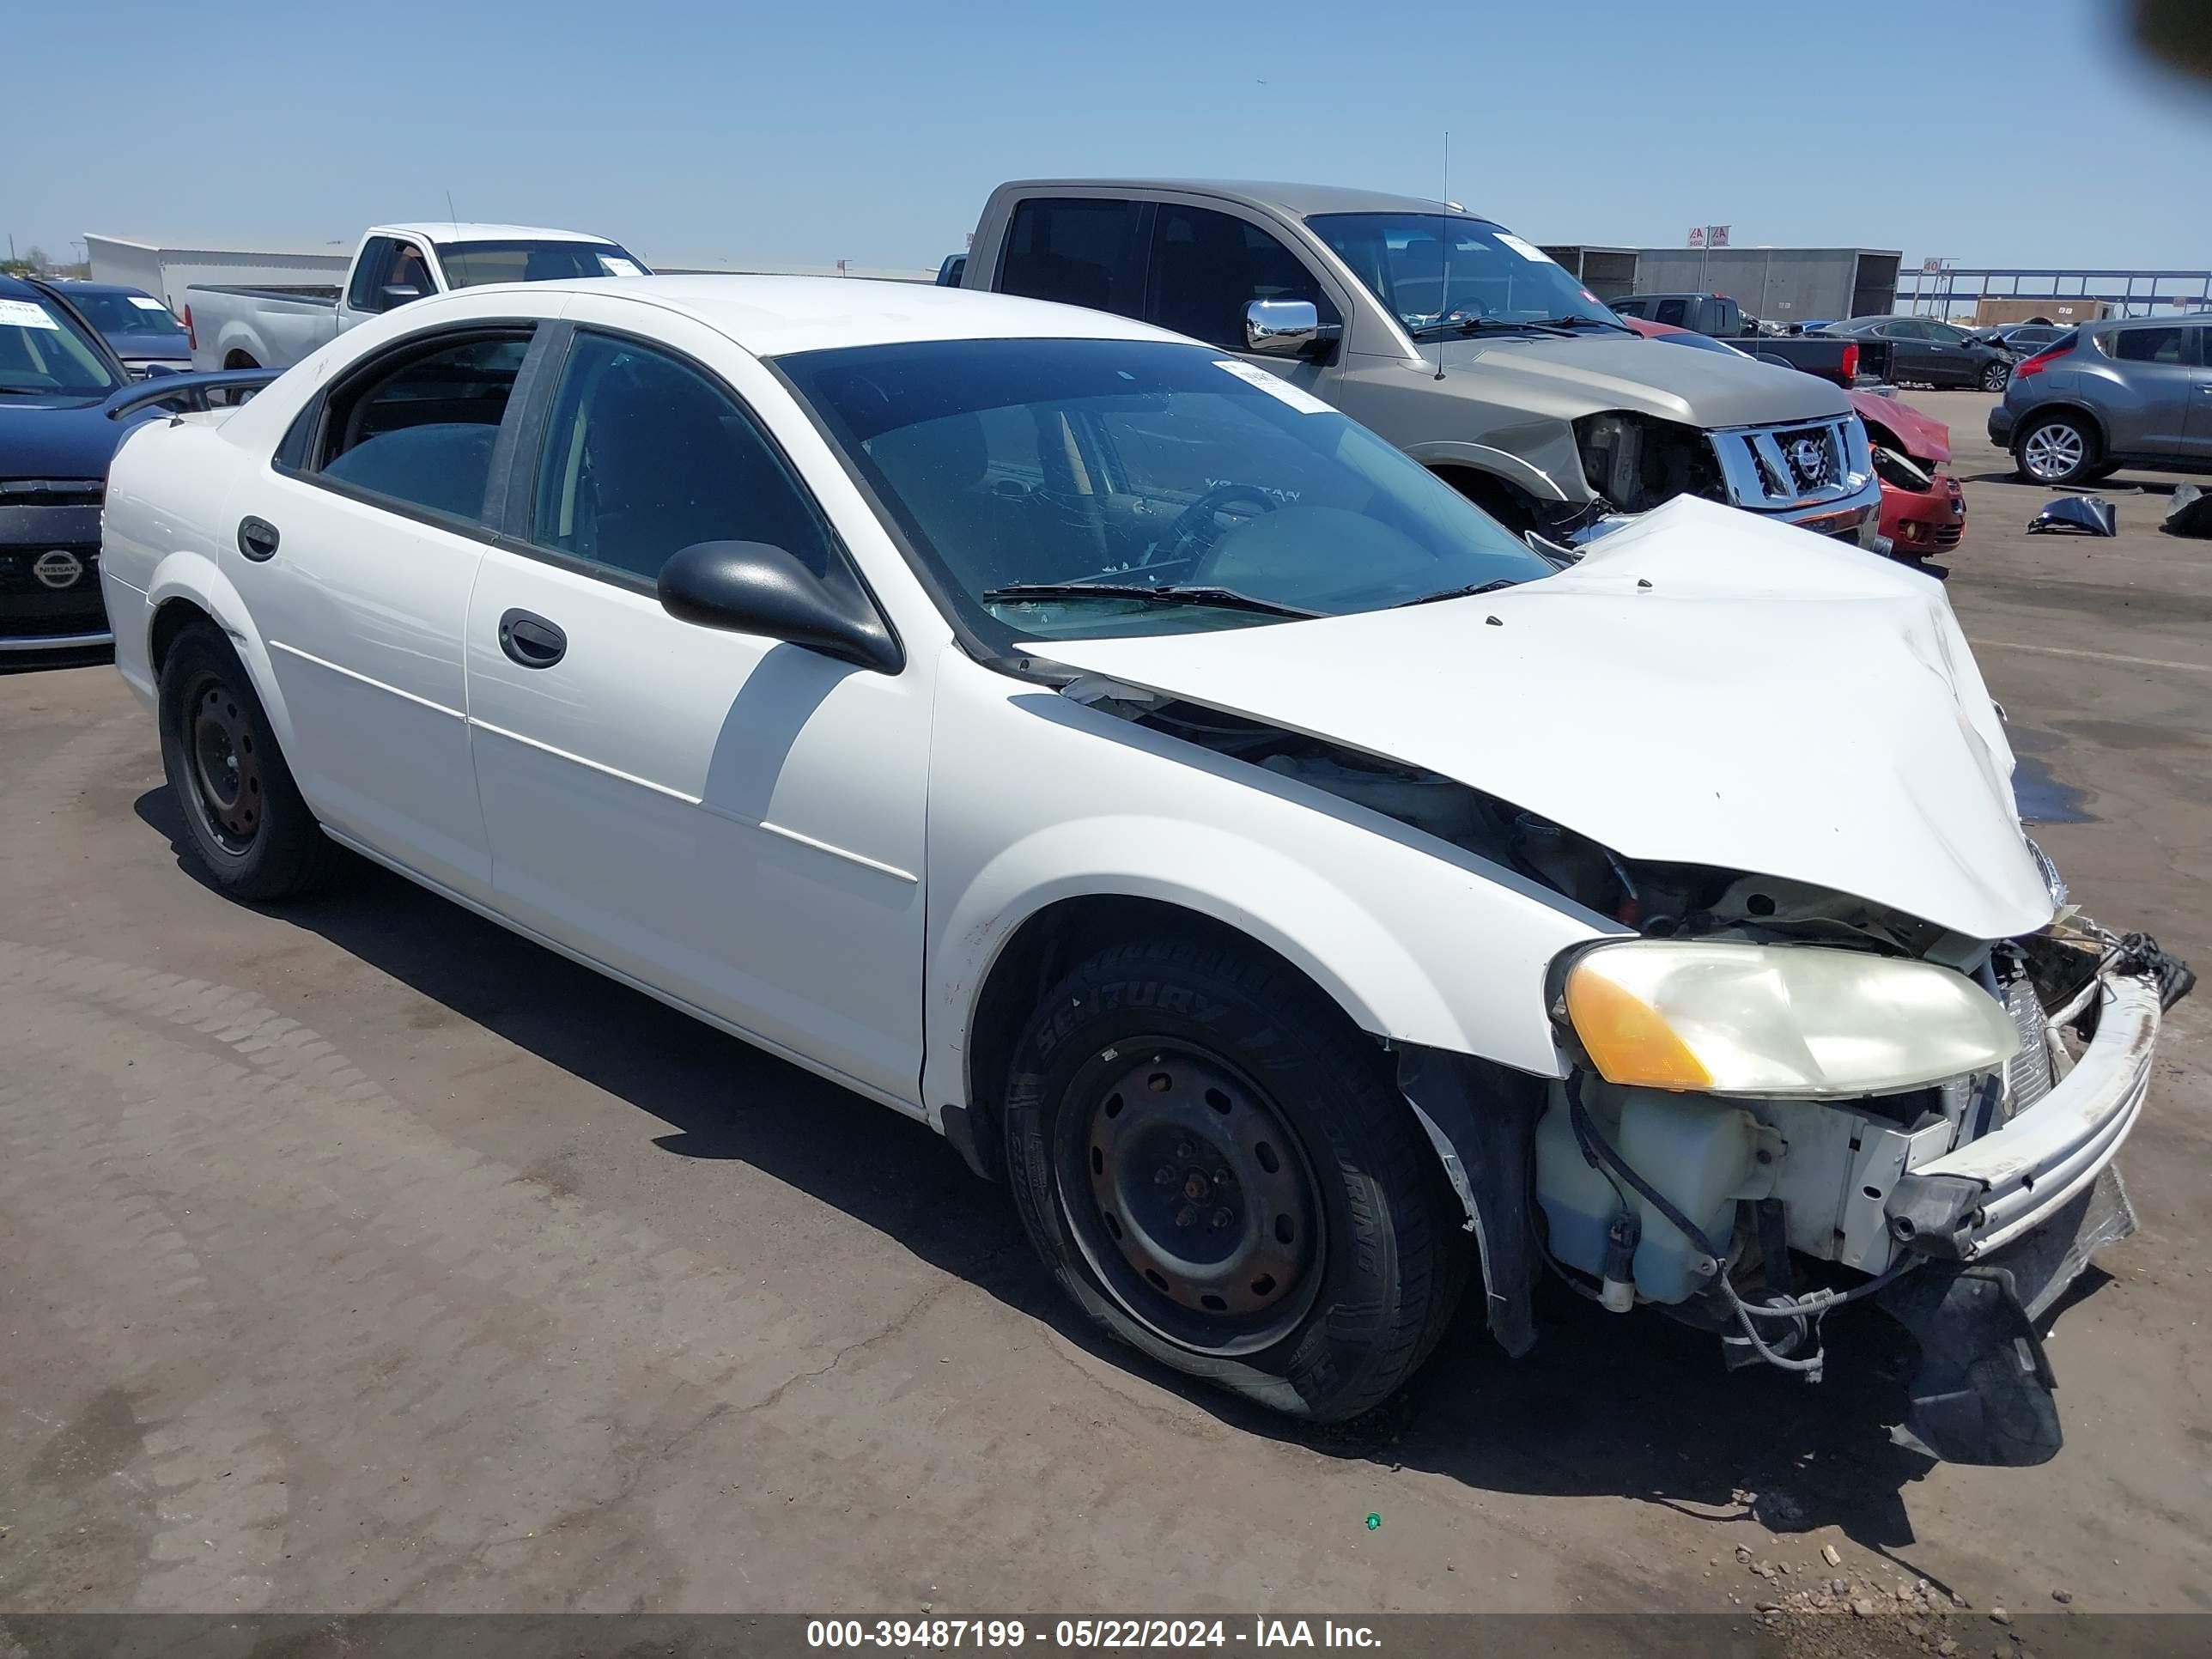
<point x="192" y="576"/>
<point x="1294" y="910"/>
<point x="1036" y="798"/>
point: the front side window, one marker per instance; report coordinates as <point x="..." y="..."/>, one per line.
<point x="2150" y="345"/>
<point x="1146" y="487"/>
<point x="42" y="355"/>
<point x="1076" y="252"/>
<point x="421" y="432"/>
<point x="1207" y="267"/>
<point x="468" y="264"/>
<point x="645" y="455"/>
<point x="1436" y="270"/>
<point x="409" y="278"/>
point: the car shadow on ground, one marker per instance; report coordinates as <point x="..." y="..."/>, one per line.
<point x="1634" y="1406"/>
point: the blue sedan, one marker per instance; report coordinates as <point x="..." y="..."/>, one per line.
<point x="141" y="329"/>
<point x="66" y="402"/>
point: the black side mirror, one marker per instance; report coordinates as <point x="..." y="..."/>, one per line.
<point x="398" y="293"/>
<point x="751" y="587"/>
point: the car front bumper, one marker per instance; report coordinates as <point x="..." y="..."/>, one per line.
<point x="2003" y="1225"/>
<point x="1974" y="1200"/>
<point x="1925" y="521"/>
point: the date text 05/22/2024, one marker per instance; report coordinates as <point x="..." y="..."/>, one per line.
<point x="905" y="1634"/>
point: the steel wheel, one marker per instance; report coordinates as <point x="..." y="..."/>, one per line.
<point x="1190" y="1197"/>
<point x="1996" y="377"/>
<point x="226" y="769"/>
<point x="2054" y="452"/>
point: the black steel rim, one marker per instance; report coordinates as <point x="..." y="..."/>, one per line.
<point x="1190" y="1197"/>
<point x="224" y="762"/>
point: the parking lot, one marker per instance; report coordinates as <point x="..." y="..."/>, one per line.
<point x="362" y="1256"/>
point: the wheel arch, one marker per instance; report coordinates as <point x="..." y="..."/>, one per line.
<point x="188" y="586"/>
<point x="2074" y="406"/>
<point x="1046" y="943"/>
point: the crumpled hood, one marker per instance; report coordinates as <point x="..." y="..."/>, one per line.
<point x="1618" y="371"/>
<point x="1924" y="437"/>
<point x="1771" y="702"/>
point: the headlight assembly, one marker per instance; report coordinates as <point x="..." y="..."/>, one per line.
<point x="1779" y="1019"/>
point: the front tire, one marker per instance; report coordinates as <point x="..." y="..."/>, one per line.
<point x="2057" y="449"/>
<point x="1997" y="376"/>
<point x="243" y="813"/>
<point x="1219" y="1170"/>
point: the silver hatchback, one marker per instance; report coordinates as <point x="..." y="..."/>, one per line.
<point x="2127" y="393"/>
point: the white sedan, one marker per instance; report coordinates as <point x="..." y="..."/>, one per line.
<point x="1304" y="894"/>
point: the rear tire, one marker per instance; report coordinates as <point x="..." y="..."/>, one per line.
<point x="1219" y="1170"/>
<point x="243" y="813"/>
<point x="2057" y="449"/>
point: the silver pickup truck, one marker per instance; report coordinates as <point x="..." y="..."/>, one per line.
<point x="1448" y="335"/>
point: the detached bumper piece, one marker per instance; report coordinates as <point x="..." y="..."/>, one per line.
<point x="2006" y="1223"/>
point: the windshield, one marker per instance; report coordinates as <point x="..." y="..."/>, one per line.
<point x="1205" y="492"/>
<point x="42" y="354"/>
<point x="470" y="264"/>
<point x="1429" y="269"/>
<point x="125" y="313"/>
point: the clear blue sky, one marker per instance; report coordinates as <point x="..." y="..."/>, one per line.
<point x="1996" y="131"/>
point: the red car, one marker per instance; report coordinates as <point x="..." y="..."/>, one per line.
<point x="1923" y="511"/>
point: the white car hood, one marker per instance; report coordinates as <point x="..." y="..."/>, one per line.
<point x="1702" y="687"/>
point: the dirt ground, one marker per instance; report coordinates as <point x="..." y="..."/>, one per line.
<point x="358" y="1256"/>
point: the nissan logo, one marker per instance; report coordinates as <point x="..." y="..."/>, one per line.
<point x="59" y="567"/>
<point x="1810" y="456"/>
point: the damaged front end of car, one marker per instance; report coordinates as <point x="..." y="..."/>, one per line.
<point x="1898" y="1075"/>
<point x="1781" y="1101"/>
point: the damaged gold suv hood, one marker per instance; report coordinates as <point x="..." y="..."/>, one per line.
<point x="1703" y="687"/>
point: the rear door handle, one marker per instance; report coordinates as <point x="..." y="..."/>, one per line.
<point x="256" y="539"/>
<point x="529" y="641"/>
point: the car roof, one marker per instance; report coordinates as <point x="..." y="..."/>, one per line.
<point x="464" y="230"/>
<point x="2199" y="318"/>
<point x="14" y="288"/>
<point x="774" y="316"/>
<point x="1294" y="199"/>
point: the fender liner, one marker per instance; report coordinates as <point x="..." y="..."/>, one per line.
<point x="1481" y="1119"/>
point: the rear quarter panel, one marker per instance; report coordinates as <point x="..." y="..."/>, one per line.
<point x="167" y="534"/>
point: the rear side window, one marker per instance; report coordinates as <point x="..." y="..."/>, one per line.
<point x="420" y="431"/>
<point x="1079" y="252"/>
<point x="2151" y="345"/>
<point x="645" y="455"/>
<point x="1672" y="311"/>
<point x="1207" y="267"/>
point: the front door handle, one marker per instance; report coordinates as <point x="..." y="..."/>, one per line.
<point x="529" y="641"/>
<point x="256" y="539"/>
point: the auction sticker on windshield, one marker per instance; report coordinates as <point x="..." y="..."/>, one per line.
<point x="145" y="304"/>
<point x="1275" y="386"/>
<point x="22" y="313"/>
<point x="619" y="267"/>
<point x="1526" y="250"/>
